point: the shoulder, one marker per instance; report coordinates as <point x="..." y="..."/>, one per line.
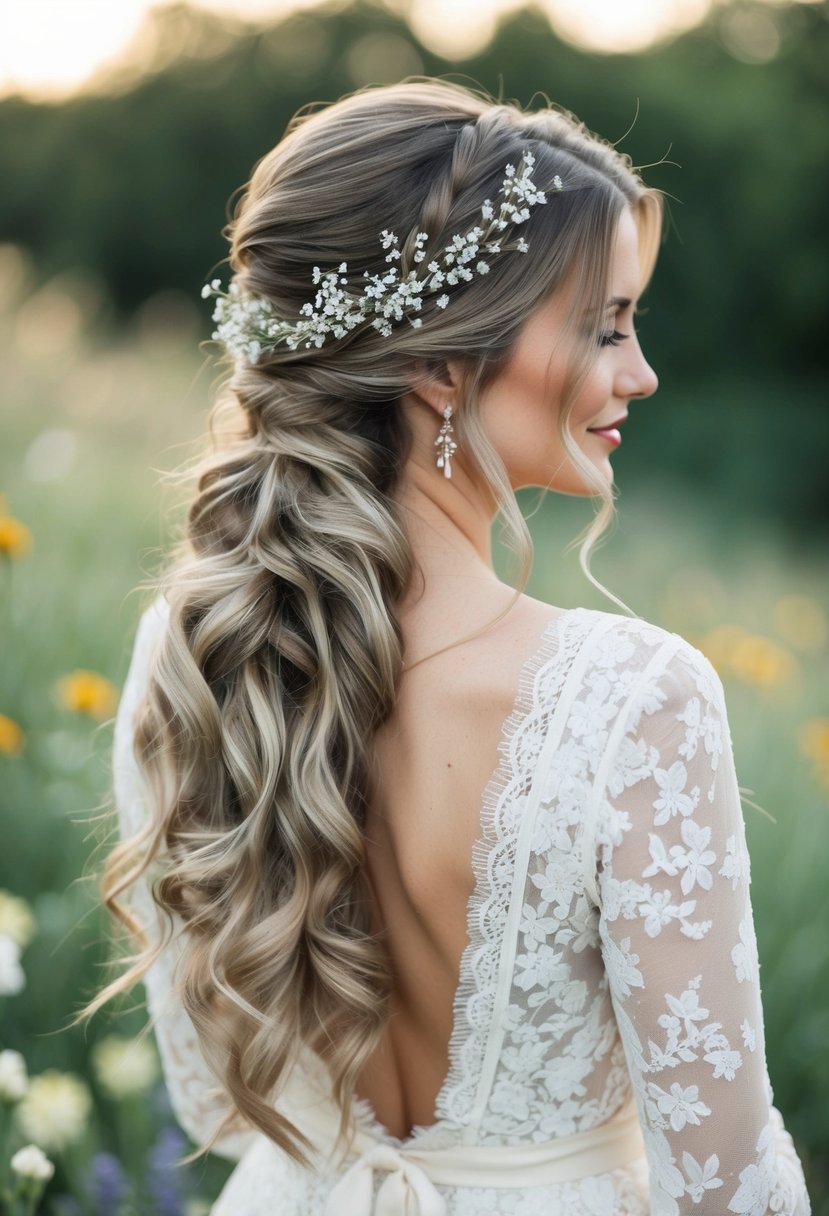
<point x="151" y="625"/>
<point x="632" y="637"/>
<point x="674" y="700"/>
<point x="659" y="669"/>
<point x="154" y="618"/>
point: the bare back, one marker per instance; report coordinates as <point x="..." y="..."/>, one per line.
<point x="432" y="762"/>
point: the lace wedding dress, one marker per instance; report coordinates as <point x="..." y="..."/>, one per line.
<point x="607" y="1056"/>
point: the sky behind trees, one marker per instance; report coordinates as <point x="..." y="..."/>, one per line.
<point x="50" y="48"/>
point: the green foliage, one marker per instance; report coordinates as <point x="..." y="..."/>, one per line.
<point x="132" y="184"/>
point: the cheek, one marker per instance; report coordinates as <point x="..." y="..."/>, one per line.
<point x="594" y="393"/>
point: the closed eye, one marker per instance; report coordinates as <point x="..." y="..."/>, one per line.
<point x="612" y="339"/>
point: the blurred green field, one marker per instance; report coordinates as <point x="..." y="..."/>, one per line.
<point x="88" y="432"/>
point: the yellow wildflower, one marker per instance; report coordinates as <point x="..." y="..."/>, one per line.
<point x="124" y="1066"/>
<point x="719" y="644"/>
<point x="16" y="919"/>
<point x="762" y="662"/>
<point x="15" y="537"/>
<point x="55" y="1111"/>
<point x="802" y="622"/>
<point x="88" y="693"/>
<point x="813" y="739"/>
<point x="11" y="737"/>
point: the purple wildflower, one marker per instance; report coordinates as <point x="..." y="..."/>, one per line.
<point x="166" y="1179"/>
<point x="106" y="1184"/>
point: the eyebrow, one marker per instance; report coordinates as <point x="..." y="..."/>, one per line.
<point x="619" y="302"/>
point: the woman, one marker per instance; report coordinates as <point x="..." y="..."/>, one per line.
<point x="397" y="981"/>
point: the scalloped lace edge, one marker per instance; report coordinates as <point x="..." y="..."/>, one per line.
<point x="486" y="910"/>
<point x="488" y="906"/>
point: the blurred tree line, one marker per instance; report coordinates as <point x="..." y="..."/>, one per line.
<point x="132" y="181"/>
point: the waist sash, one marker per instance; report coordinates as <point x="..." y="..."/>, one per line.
<point x="412" y="1174"/>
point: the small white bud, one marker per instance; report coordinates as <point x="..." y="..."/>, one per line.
<point x="32" y="1162"/>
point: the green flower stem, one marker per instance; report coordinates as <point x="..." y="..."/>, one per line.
<point x="31" y="1194"/>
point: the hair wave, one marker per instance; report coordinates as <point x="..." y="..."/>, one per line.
<point x="283" y="650"/>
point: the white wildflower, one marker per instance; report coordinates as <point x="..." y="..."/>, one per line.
<point x="12" y="977"/>
<point x="13" y="1079"/>
<point x="16" y="919"/>
<point x="55" y="1110"/>
<point x="124" y="1066"/>
<point x="32" y="1162"/>
<point x="196" y="1207"/>
<point x="442" y="301"/>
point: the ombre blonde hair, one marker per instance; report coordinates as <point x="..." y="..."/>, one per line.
<point x="283" y="649"/>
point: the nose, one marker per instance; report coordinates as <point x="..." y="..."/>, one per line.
<point x="637" y="378"/>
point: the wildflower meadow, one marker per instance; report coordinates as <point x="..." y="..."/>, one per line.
<point x="85" y="1125"/>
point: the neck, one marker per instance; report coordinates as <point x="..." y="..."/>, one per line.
<point x="448" y="522"/>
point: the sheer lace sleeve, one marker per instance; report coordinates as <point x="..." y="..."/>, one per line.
<point x="677" y="935"/>
<point x="192" y="1089"/>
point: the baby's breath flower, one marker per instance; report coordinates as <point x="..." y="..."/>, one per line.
<point x="86" y="692"/>
<point x="55" y="1110"/>
<point x="32" y="1162"/>
<point x="13" y="1079"/>
<point x="11" y="737"/>
<point x="248" y="326"/>
<point x="12" y="976"/>
<point x="124" y="1066"/>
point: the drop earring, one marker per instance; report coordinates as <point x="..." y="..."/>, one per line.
<point x="445" y="443"/>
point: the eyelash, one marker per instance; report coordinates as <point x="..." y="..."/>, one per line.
<point x="612" y="339"/>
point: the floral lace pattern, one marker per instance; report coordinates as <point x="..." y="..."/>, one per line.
<point x="611" y="949"/>
<point x="668" y="872"/>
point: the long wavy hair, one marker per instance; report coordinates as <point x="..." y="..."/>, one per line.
<point x="283" y="649"/>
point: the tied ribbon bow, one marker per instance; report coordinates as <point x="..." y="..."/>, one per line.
<point x="407" y="1191"/>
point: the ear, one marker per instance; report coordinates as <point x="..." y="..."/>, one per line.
<point x="436" y="384"/>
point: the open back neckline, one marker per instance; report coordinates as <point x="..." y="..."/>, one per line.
<point x="546" y="649"/>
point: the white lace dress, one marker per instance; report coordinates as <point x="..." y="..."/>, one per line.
<point x="608" y="1015"/>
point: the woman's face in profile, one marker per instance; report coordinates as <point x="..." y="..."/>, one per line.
<point x="520" y="407"/>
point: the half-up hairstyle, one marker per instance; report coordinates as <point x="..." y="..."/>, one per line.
<point x="283" y="649"/>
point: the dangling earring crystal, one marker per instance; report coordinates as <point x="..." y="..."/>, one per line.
<point x="445" y="443"/>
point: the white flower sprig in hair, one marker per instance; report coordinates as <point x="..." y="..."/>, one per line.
<point x="247" y="324"/>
